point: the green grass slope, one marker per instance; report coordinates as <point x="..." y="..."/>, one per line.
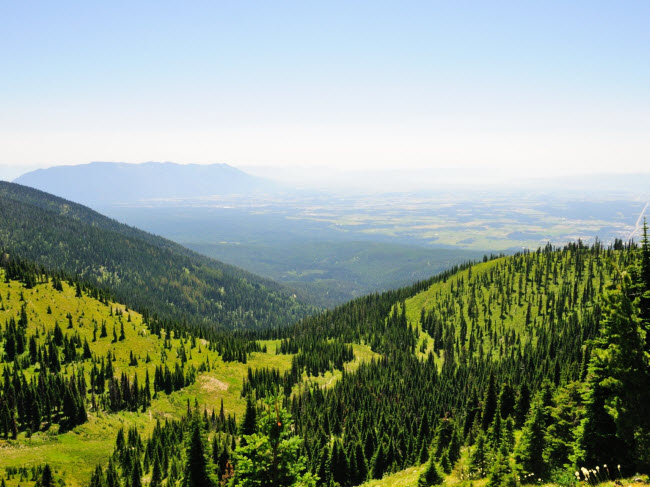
<point x="74" y="453"/>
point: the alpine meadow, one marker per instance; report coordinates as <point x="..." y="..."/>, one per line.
<point x="325" y="244"/>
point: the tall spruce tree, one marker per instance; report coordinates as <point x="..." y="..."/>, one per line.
<point x="530" y="451"/>
<point x="196" y="463"/>
<point x="47" y="480"/>
<point x="432" y="474"/>
<point x="615" y="427"/>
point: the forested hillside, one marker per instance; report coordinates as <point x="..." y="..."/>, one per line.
<point x="140" y="269"/>
<point x="517" y="370"/>
<point x="76" y="367"/>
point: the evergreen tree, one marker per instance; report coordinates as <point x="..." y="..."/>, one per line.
<point x="522" y="405"/>
<point x="478" y="459"/>
<point x="530" y="451"/>
<point x="46" y="477"/>
<point x="112" y="478"/>
<point x="378" y="463"/>
<point x="196" y="464"/>
<point x="136" y="473"/>
<point x="616" y="428"/>
<point x="431" y="475"/>
<point x="97" y="479"/>
<point x="500" y="470"/>
<point x="272" y="455"/>
<point x="249" y="423"/>
<point x="339" y="465"/>
<point x="489" y="403"/>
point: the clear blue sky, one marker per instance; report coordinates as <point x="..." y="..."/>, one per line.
<point x="516" y="85"/>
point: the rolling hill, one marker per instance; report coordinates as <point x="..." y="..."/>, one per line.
<point x="142" y="270"/>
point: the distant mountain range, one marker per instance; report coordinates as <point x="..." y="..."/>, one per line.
<point x="106" y="183"/>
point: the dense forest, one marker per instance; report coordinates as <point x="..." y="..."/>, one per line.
<point x="516" y="370"/>
<point x="142" y="270"/>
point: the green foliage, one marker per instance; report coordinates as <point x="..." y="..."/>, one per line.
<point x="501" y="472"/>
<point x="431" y="475"/>
<point x="530" y="451"/>
<point x="272" y="455"/>
<point x="196" y="460"/>
<point x="616" y="421"/>
<point x="479" y="456"/>
<point x="142" y="270"/>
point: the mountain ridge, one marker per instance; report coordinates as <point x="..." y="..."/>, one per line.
<point x="145" y="270"/>
<point x="94" y="183"/>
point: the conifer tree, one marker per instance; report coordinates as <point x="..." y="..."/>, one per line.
<point x="431" y="475"/>
<point x="616" y="428"/>
<point x="530" y="451"/>
<point x="339" y="465"/>
<point x="46" y="477"/>
<point x="478" y="460"/>
<point x="378" y="463"/>
<point x="196" y="464"/>
<point x="97" y="479"/>
<point x="249" y="423"/>
<point x="136" y="473"/>
<point x="522" y="405"/>
<point x="489" y="403"/>
<point x="112" y="478"/>
<point x="272" y="455"/>
<point x="500" y="470"/>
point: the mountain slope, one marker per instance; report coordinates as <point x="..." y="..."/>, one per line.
<point x="142" y="270"/>
<point x="84" y="321"/>
<point x="462" y="370"/>
<point x="114" y="182"/>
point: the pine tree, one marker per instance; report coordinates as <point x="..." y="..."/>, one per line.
<point x="500" y="470"/>
<point x="249" y="423"/>
<point x="272" y="455"/>
<point x="46" y="477"/>
<point x="431" y="475"/>
<point x="360" y="473"/>
<point x="97" y="479"/>
<point x="196" y="466"/>
<point x="338" y="464"/>
<point x="530" y="451"/>
<point x="616" y="428"/>
<point x="478" y="460"/>
<point x="489" y="404"/>
<point x="378" y="463"/>
<point x="445" y="463"/>
<point x="136" y="473"/>
<point x="522" y="405"/>
<point x="112" y="478"/>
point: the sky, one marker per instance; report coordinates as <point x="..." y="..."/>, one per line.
<point x="532" y="88"/>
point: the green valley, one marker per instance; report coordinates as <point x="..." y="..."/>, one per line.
<point x="483" y="372"/>
<point x="141" y="269"/>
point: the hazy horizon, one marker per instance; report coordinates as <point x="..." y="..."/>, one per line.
<point x="529" y="90"/>
<point x="383" y="178"/>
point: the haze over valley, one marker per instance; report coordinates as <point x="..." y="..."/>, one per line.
<point x="325" y="244"/>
